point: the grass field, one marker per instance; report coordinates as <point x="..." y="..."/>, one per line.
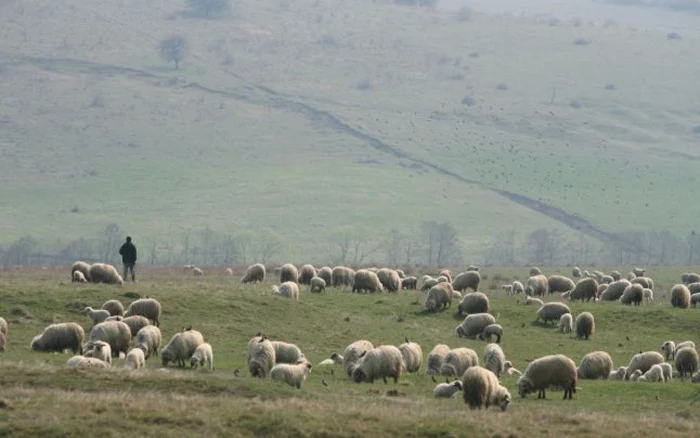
<point x="40" y="397"/>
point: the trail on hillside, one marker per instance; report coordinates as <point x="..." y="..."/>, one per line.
<point x="288" y="103"/>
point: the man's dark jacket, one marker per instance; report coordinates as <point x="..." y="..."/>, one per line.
<point x="128" y="253"/>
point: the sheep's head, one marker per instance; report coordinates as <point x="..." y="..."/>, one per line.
<point x="194" y="361"/>
<point x="143" y="348"/>
<point x="336" y="358"/>
<point x="459" y="331"/>
<point x="358" y="375"/>
<point x="457" y="384"/>
<point x="503" y="398"/>
<point x="36" y="344"/>
<point x="525" y="386"/>
<point x="165" y="357"/>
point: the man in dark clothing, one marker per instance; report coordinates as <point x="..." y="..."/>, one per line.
<point x="128" y="253"/>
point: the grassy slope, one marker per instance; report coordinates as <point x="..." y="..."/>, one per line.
<point x="228" y="315"/>
<point x="192" y="158"/>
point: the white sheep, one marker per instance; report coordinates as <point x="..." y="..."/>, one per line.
<point x="552" y="370"/>
<point x="667" y="370"/>
<point x="412" y="356"/>
<point x="480" y="388"/>
<point x="116" y="333"/>
<point x="114" y="307"/>
<point x="82" y="362"/>
<point x="653" y="375"/>
<point x="203" y="356"/>
<point x="458" y="360"/>
<point x="379" y="363"/>
<point x="642" y="362"/>
<point x="635" y="375"/>
<point x="619" y="374"/>
<point x="447" y="390"/>
<point x="474" y="324"/>
<point x="288" y="289"/>
<point x="595" y="365"/>
<point x="135" y="359"/>
<point x="79" y="277"/>
<point x="552" y="311"/>
<point x="585" y="325"/>
<point x="58" y="337"/>
<point x="530" y="301"/>
<point x="352" y="354"/>
<point x="668" y="348"/>
<point x="261" y="356"/>
<point x="3" y="325"/>
<point x="292" y="375"/>
<point x="149" y="308"/>
<point x="101" y="350"/>
<point x="518" y="287"/>
<point x="491" y="330"/>
<point x="649" y="295"/>
<point x="149" y="339"/>
<point x="181" y="347"/>
<point x="494" y="359"/>
<point x="96" y="316"/>
<point x="566" y="323"/>
<point x="686" y="360"/>
<point x="197" y="272"/>
<point x="435" y="358"/>
<point x="317" y="284"/>
<point x="508" y="288"/>
<point x="287" y="353"/>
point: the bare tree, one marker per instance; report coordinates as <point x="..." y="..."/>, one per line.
<point x="173" y="49"/>
<point x="442" y="243"/>
<point x="208" y="8"/>
<point x="20" y="252"/>
<point x="244" y="240"/>
<point x="693" y="245"/>
<point x="269" y="244"/>
<point x="110" y="243"/>
<point x="544" y="246"/>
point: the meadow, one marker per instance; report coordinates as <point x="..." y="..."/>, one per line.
<point x="40" y="397"/>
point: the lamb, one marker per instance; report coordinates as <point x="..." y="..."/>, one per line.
<point x="435" y="359"/>
<point x="447" y="390"/>
<point x="576" y="272"/>
<point x="633" y="294"/>
<point x="342" y="276"/>
<point x="529" y="301"/>
<point x="96" y="316"/>
<point x="491" y="330"/>
<point x="261" y="356"/>
<point x="615" y="290"/>
<point x="82" y="362"/>
<point x="254" y="274"/>
<point x="287" y="353"/>
<point x="559" y="283"/>
<point x="409" y="283"/>
<point x="585" y="289"/>
<point x="149" y="339"/>
<point x="654" y="374"/>
<point x="618" y="374"/>
<point x="82" y="267"/>
<point x="458" y="360"/>
<point x="439" y="297"/>
<point x="467" y="280"/>
<point x="379" y="363"/>
<point x="508" y="288"/>
<point x="552" y="311"/>
<point x="482" y="389"/>
<point x="366" y="280"/>
<point x="667" y="371"/>
<point x="668" y="348"/>
<point x="289" y="273"/>
<point x="116" y="333"/>
<point x="114" y="307"/>
<point x="326" y="273"/>
<point x="58" y="337"/>
<point x="475" y="302"/>
<point x="412" y="356"/>
<point x="135" y="323"/>
<point x="317" y="284"/>
<point x="292" y="375"/>
<point x="474" y="324"/>
<point x="552" y="370"/>
<point x="680" y="296"/>
<point x="518" y="287"/>
<point x="595" y="365"/>
<point x="639" y="272"/>
<point x="649" y="295"/>
<point x="352" y="354"/>
<point x="203" y="356"/>
<point x="694" y="298"/>
<point x="104" y="273"/>
<point x="102" y="351"/>
<point x="642" y="362"/>
<point x="402" y="274"/>
<point x="635" y="375"/>
<point x="135" y="359"/>
<point x="686" y="360"/>
<point x="288" y="289"/>
<point x="494" y="359"/>
<point x="147" y="307"/>
<point x="509" y="369"/>
<point x="536" y="285"/>
<point x="181" y="347"/>
<point x="566" y="323"/>
<point x="306" y="273"/>
<point x="197" y="272"/>
<point x="585" y="325"/>
<point x="79" y="277"/>
<point x="390" y="279"/>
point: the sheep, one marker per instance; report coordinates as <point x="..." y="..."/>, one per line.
<point x="136" y="323"/>
<point x="695" y="378"/>
<point x="115" y="318"/>
<point x="518" y="287"/>
<point x="536" y="285"/>
<point x="292" y="375"/>
<point x="352" y="354"/>
<point x="197" y="272"/>
<point x="552" y="311"/>
<point x="686" y="360"/>
<point x="135" y="359"/>
<point x="390" y="279"/>
<point x="644" y="281"/>
<point x="585" y="289"/>
<point x="380" y="362"/>
<point x="288" y="289"/>
<point x="690" y="277"/>
<point x="102" y="351"/>
<point x="576" y="272"/>
<point x="147" y="307"/>
<point x="559" y="283"/>
<point x="642" y="362"/>
<point x="529" y="301"/>
<point x="668" y="348"/>
<point x="337" y="358"/>
<point x="457" y="361"/>
<point x="535" y="271"/>
<point x="114" y="307"/>
<point x="631" y="276"/>
<point x="683" y="344"/>
<point x="509" y="369"/>
<point x="181" y="347"/>
<point x="648" y="295"/>
<point x="428" y="283"/>
<point x="409" y="283"/>
<point x="618" y="375"/>
<point x="82" y="362"/>
<point x="552" y="370"/>
<point x="456" y="296"/>
<point x="366" y="280"/>
<point x="286" y="352"/>
<point x="467" y="280"/>
<point x="508" y="288"/>
<point x="616" y="276"/>
<point x="474" y="324"/>
<point x="342" y="276"/>
<point x="3" y="325"/>
<point x="96" y="316"/>
<point x="494" y="359"/>
<point x="680" y="296"/>
<point x="442" y="279"/>
<point x="317" y="284"/>
<point x="491" y="330"/>
<point x="585" y="325"/>
<point x="639" y="272"/>
<point x="104" y="273"/>
<point x="601" y="289"/>
<point x="306" y="273"/>
<point x="203" y="356"/>
<point x="595" y="365"/>
<point x="116" y="333"/>
<point x="482" y="389"/>
<point x="667" y="371"/>
<point x="635" y="375"/>
<point x="401" y="273"/>
<point x="435" y="359"/>
<point x="58" y="337"/>
<point x="607" y="279"/>
<point x="289" y="273"/>
<point x="254" y="274"/>
<point x="412" y="356"/>
<point x="446" y="273"/>
<point x="326" y="273"/>
<point x="474" y="302"/>
<point x="82" y="267"/>
<point x="149" y="339"/>
<point x="615" y="290"/>
<point x="694" y="298"/>
<point x="653" y="375"/>
<point x="228" y="272"/>
<point x="79" y="277"/>
<point x="439" y="297"/>
<point x="633" y="294"/>
<point x="566" y="323"/>
<point x="447" y="390"/>
<point x="261" y="356"/>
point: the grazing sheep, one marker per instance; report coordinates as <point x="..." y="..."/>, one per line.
<point x="649" y="295"/>
<point x="566" y="323"/>
<point x="616" y="276"/>
<point x="552" y="311"/>
<point x="135" y="323"/>
<point x="149" y="339"/>
<point x="694" y="298"/>
<point x="428" y="283"/>
<point x="602" y="287"/>
<point x="439" y="297"/>
<point x="287" y="353"/>
<point x="474" y="324"/>
<point x="327" y="274"/>
<point x="135" y="359"/>
<point x="482" y="389"/>
<point x="96" y="316"/>
<point x="491" y="330"/>
<point x="553" y="370"/>
<point x="467" y="280"/>
<point x="197" y="272"/>
<point x="618" y="374"/>
<point x="654" y="374"/>
<point x="494" y="359"/>
<point x="667" y="370"/>
<point x="535" y="271"/>
<point x="642" y="362"/>
<point x="288" y="289"/>
<point x="606" y="279"/>
<point x="576" y="272"/>
<point x="79" y="277"/>
<point x="317" y="284"/>
<point x="59" y="337"/>
<point x="644" y="281"/>
<point x="292" y="375"/>
<point x="114" y="307"/>
<point x="518" y="287"/>
<point x="456" y="296"/>
<point x="412" y="356"/>
<point x="615" y="290"/>
<point x="261" y="356"/>
<point x="100" y="350"/>
<point x="639" y="272"/>
<point x="181" y="347"/>
<point x="147" y="307"/>
<point x="409" y="283"/>
<point x="228" y="272"/>
<point x="289" y="273"/>
<point x="3" y="325"/>
<point x="585" y="325"/>
<point x="116" y="333"/>
<point x="686" y="360"/>
<point x="352" y="354"/>
<point x="83" y="268"/>
<point x="595" y="365"/>
<point x="559" y="283"/>
<point x="104" y="273"/>
<point x="529" y="301"/>
<point x="447" y="390"/>
<point x="435" y="359"/>
<point x="668" y="348"/>
<point x="690" y="277"/>
<point x="586" y="289"/>
<point x="631" y="276"/>
<point x="633" y="294"/>
<point x="254" y="274"/>
<point x="379" y="363"/>
<point x="457" y="361"/>
<point x="474" y="302"/>
<point x="390" y="279"/>
<point x="446" y="273"/>
<point x="82" y="362"/>
<point x="203" y="356"/>
<point x="306" y="273"/>
<point x="680" y="296"/>
<point x="342" y="276"/>
<point x="402" y="274"/>
<point x="508" y="288"/>
<point x="509" y="369"/>
<point x="366" y="280"/>
<point x="536" y="285"/>
<point x="635" y="375"/>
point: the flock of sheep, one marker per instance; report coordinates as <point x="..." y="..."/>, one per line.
<point x="135" y="334"/>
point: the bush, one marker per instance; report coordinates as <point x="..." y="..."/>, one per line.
<point x="502" y="86"/>
<point x="468" y="101"/>
<point x="581" y="42"/>
<point x="673" y="36"/>
<point x="576" y="104"/>
<point x="364" y="84"/>
<point x="610" y="87"/>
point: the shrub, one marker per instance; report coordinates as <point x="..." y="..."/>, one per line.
<point x="581" y="42"/>
<point x="610" y="87"/>
<point x="468" y="101"/>
<point x="502" y="86"/>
